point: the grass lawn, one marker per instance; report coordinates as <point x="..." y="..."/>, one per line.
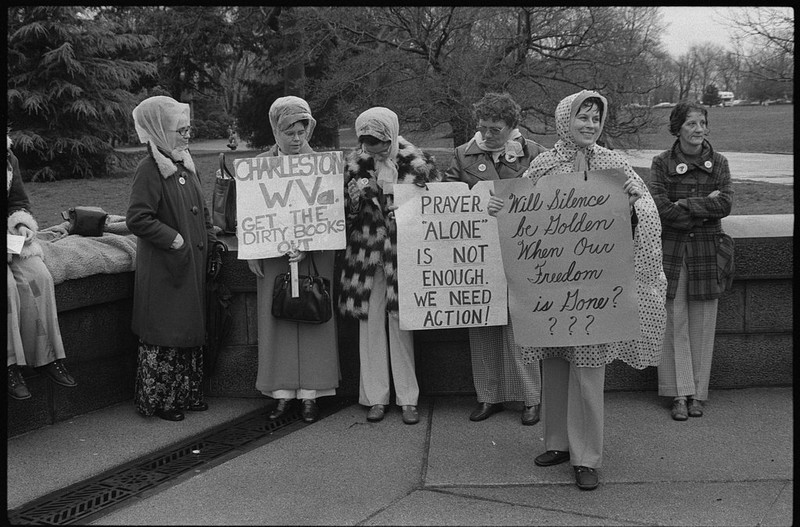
<point x="735" y="129"/>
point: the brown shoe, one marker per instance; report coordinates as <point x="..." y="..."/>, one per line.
<point x="58" y="373"/>
<point x="695" y="408"/>
<point x="530" y="415"/>
<point x="679" y="411"/>
<point x="17" y="389"/>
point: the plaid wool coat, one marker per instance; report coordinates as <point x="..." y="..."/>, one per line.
<point x="372" y="233"/>
<point x="694" y="231"/>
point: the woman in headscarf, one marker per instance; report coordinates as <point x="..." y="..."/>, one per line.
<point x="692" y="189"/>
<point x="295" y="361"/>
<point x="369" y="274"/>
<point x="34" y="336"/>
<point x="498" y="151"/>
<point x="168" y="214"/>
<point x="573" y="376"/>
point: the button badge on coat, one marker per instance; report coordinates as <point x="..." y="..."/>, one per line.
<point x="681" y="168"/>
<point x="482" y="167"/>
<point x="181" y="180"/>
<point x="708" y="164"/>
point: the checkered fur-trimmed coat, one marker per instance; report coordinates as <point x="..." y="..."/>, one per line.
<point x="371" y="234"/>
<point x="694" y="231"/>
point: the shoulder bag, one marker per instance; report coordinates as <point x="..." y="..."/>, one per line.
<point x="223" y="210"/>
<point x="313" y="306"/>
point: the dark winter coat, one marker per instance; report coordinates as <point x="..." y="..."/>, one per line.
<point x="694" y="232"/>
<point x="470" y="164"/>
<point x="371" y="234"/>
<point x="169" y="296"/>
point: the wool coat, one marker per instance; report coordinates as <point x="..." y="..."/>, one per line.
<point x="371" y="233"/>
<point x="19" y="208"/>
<point x="470" y="164"/>
<point x="694" y="231"/>
<point x="169" y="295"/>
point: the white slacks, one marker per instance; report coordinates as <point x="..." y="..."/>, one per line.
<point x="572" y="410"/>
<point x="376" y="352"/>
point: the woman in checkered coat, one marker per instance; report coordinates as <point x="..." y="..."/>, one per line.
<point x="691" y="185"/>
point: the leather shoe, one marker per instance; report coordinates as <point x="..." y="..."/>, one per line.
<point x="376" y="413"/>
<point x="17" y="389"/>
<point x="281" y="408"/>
<point x="586" y="478"/>
<point x="530" y="415"/>
<point x="484" y="410"/>
<point x="170" y="415"/>
<point x="198" y="407"/>
<point x="410" y="415"/>
<point x="695" y="408"/>
<point x="552" y="457"/>
<point x="57" y="371"/>
<point x="310" y="410"/>
<point x="679" y="411"/>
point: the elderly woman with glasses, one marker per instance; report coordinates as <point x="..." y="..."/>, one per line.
<point x="168" y="214"/>
<point x="382" y="160"/>
<point x="498" y="151"/>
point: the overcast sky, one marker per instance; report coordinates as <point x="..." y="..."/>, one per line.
<point x="694" y="25"/>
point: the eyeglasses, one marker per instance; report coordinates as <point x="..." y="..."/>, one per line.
<point x="186" y="131"/>
<point x="490" y="130"/>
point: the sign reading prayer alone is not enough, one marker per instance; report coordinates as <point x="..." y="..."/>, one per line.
<point x="448" y="258"/>
<point x="568" y="254"/>
<point x="286" y="203"/>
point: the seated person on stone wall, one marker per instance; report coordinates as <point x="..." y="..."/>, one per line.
<point x="34" y="336"/>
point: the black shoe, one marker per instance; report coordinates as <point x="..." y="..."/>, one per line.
<point x="586" y="478"/>
<point x="280" y="409"/>
<point x="17" y="389"/>
<point x="198" y="407"/>
<point x="309" y="411"/>
<point x="530" y="415"/>
<point x="552" y="457"/>
<point x="484" y="410"/>
<point x="57" y="371"/>
<point x="170" y="415"/>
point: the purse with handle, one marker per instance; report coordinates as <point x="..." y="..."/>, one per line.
<point x="314" y="304"/>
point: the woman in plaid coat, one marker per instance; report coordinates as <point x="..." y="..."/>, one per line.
<point x="691" y="185"/>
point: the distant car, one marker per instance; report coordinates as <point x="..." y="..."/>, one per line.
<point x="664" y="105"/>
<point x="740" y="102"/>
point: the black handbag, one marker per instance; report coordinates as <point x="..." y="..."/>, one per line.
<point x="313" y="306"/>
<point x="86" y="221"/>
<point x="223" y="209"/>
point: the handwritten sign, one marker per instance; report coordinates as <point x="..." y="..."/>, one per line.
<point x="449" y="269"/>
<point x="568" y="254"/>
<point x="285" y="203"/>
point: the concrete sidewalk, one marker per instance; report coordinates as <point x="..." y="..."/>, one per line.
<point x="733" y="466"/>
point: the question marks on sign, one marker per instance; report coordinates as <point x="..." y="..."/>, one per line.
<point x="586" y="329"/>
<point x="574" y="320"/>
<point x="554" y="319"/>
<point x="614" y="300"/>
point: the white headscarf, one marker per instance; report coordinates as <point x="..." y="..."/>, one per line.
<point x="381" y="123"/>
<point x="286" y="111"/>
<point x="157" y="120"/>
<point x="511" y="149"/>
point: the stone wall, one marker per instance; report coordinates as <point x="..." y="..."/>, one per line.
<point x="753" y="345"/>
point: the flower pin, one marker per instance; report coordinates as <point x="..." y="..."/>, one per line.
<point x="708" y="164"/>
<point x="481" y="167"/>
<point x="681" y="168"/>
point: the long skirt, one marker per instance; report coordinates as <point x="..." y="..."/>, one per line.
<point x="168" y="378"/>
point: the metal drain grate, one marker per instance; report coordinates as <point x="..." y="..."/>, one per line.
<point x="86" y="501"/>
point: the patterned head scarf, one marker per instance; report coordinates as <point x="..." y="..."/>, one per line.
<point x="286" y="111"/>
<point x="381" y="123"/>
<point x="565" y="149"/>
<point x="157" y="120"/>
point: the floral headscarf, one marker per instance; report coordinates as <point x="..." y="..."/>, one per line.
<point x="381" y="123"/>
<point x="286" y="111"/>
<point x="651" y="282"/>
<point x="156" y="120"/>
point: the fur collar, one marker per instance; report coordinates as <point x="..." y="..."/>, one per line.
<point x="413" y="165"/>
<point x="166" y="166"/>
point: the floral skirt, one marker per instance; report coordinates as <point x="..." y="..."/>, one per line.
<point x="168" y="378"/>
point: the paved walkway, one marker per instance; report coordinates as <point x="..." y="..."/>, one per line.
<point x="734" y="466"/>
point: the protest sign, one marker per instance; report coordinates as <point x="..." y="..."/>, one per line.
<point x="568" y="254"/>
<point x="285" y="203"/>
<point x="449" y="269"/>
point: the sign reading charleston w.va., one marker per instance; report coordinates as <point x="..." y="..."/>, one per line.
<point x="285" y="203"/>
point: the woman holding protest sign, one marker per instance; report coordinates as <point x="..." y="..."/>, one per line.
<point x="369" y="279"/>
<point x="498" y="151"/>
<point x="573" y="376"/>
<point x="167" y="212"/>
<point x="692" y="188"/>
<point x="295" y="360"/>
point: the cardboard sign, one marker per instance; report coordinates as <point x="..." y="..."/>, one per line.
<point x="449" y="269"/>
<point x="285" y="203"/>
<point x="568" y="254"/>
